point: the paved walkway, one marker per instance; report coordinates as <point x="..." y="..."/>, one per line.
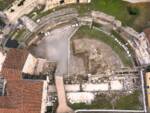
<point x="54" y="47"/>
<point x="62" y="101"/>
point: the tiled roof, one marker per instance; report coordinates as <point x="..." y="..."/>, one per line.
<point x="15" y="59"/>
<point x="5" y="102"/>
<point x="6" y="110"/>
<point x="27" y="95"/>
<point x="22" y="96"/>
<point x="14" y="63"/>
<point x="11" y="74"/>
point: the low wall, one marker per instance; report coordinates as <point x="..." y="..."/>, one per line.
<point x="136" y="1"/>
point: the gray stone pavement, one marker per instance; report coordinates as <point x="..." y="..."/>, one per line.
<point x="54" y="47"/>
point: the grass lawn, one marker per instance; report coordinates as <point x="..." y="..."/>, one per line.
<point x="18" y="34"/>
<point x="92" y="33"/>
<point x="124" y="42"/>
<point x="5" y="3"/>
<point x="119" y="9"/>
<point x="130" y="102"/>
<point x="101" y="102"/>
<point x="2" y="24"/>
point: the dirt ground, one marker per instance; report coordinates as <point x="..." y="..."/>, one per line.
<point x="92" y="56"/>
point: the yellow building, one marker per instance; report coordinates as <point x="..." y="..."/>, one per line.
<point x="148" y="87"/>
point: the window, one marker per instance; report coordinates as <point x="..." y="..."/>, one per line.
<point x="61" y="1"/>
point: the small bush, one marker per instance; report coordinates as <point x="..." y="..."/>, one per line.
<point x="2" y="23"/>
<point x="133" y="10"/>
<point x="148" y="69"/>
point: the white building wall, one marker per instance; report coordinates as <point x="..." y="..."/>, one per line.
<point x="2" y="59"/>
<point x="44" y="97"/>
<point x="29" y="65"/>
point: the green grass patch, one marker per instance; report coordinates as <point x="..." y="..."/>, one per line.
<point x="18" y="34"/>
<point x="5" y="4"/>
<point x="133" y="10"/>
<point x="123" y="41"/>
<point x="126" y="102"/>
<point x="116" y="8"/>
<point x="130" y="102"/>
<point x="100" y="102"/>
<point x="2" y="24"/>
<point x="92" y="33"/>
<point x="134" y="15"/>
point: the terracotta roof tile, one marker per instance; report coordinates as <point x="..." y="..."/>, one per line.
<point x="15" y="59"/>
<point x="6" y="110"/>
<point x="6" y="102"/>
<point x="22" y="96"/>
<point x="25" y="95"/>
<point x="11" y="74"/>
